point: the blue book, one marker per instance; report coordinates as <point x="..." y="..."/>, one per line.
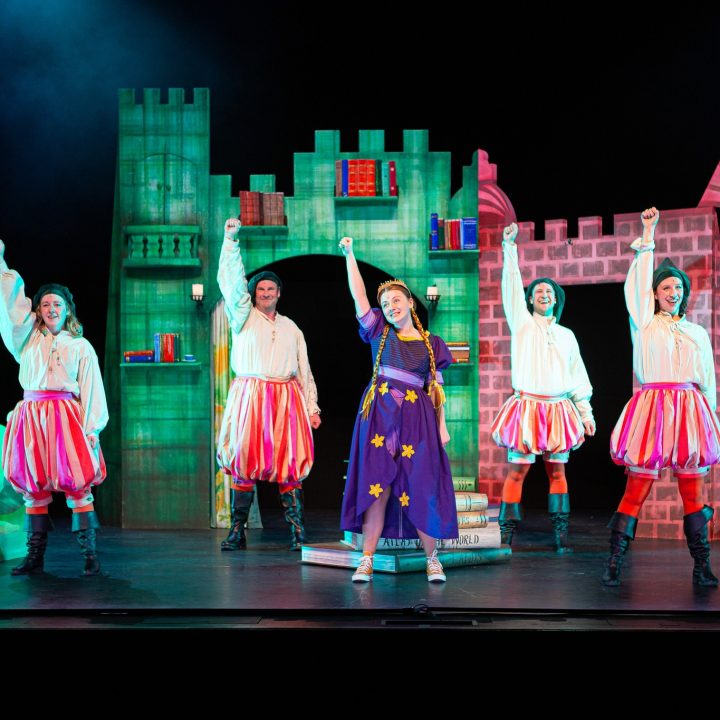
<point x="156" y="346"/>
<point x="345" y="180"/>
<point x="434" y="237"/>
<point x="468" y="234"/>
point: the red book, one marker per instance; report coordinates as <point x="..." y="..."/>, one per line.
<point x="370" y="177"/>
<point x="244" y="206"/>
<point x="167" y="347"/>
<point x="362" y="178"/>
<point x="352" y="178"/>
<point x="393" y="178"/>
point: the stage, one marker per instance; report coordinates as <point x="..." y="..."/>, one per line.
<point x="180" y="579"/>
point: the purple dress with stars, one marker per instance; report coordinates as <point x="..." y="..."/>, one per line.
<point x="397" y="449"/>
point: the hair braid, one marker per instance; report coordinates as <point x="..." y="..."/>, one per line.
<point x="370" y="394"/>
<point x="435" y="391"/>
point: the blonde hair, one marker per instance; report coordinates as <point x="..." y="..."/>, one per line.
<point x="435" y="390"/>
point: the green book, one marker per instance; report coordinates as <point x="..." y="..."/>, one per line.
<point x="385" y="179"/>
<point x="464" y="484"/>
<point x="399" y="561"/>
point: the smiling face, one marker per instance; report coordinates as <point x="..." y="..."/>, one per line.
<point x="267" y="295"/>
<point x="53" y="311"/>
<point x="543" y="299"/>
<point x="669" y="294"/>
<point x="396" y="306"/>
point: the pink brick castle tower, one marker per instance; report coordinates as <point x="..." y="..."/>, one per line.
<point x="691" y="239"/>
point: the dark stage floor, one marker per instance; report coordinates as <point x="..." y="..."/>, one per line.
<point x="180" y="579"/>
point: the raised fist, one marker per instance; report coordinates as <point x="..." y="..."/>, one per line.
<point x="346" y="245"/>
<point x="232" y="228"/>
<point x="650" y="217"/>
<point x="510" y="233"/>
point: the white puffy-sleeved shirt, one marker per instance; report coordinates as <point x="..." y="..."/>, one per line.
<point x="545" y="357"/>
<point x="664" y="350"/>
<point x="59" y="362"/>
<point x="261" y="347"/>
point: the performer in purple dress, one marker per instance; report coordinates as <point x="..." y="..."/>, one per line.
<point x="399" y="483"/>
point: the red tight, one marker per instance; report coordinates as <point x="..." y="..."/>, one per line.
<point x="512" y="489"/>
<point x="638" y="488"/>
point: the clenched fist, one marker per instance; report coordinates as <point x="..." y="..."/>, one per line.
<point x="232" y="229"/>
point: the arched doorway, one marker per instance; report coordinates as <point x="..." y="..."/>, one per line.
<point x="316" y="297"/>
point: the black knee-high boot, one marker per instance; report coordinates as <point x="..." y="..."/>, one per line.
<point x="241" y="500"/>
<point x="292" y="503"/>
<point x="37" y="527"/>
<point x="508" y="519"/>
<point x="696" y="532"/>
<point x="84" y="525"/>
<point x="559" y="509"/>
<point x="623" y="531"/>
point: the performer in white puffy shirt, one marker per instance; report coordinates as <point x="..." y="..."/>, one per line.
<point x="272" y="404"/>
<point x="549" y="412"/>
<point x="51" y="443"/>
<point x="670" y="422"/>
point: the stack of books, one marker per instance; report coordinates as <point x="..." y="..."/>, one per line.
<point x="451" y="234"/>
<point x="478" y="542"/>
<point x="365" y="178"/>
<point x="167" y="347"/>
<point x="258" y="208"/>
<point x="139" y="356"/>
<point x="477" y="524"/>
<point x="460" y="351"/>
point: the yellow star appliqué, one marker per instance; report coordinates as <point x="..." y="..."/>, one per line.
<point x="383" y="388"/>
<point x="376" y="490"/>
<point x="378" y="440"/>
<point x="411" y="395"/>
<point x="408" y="451"/>
<point x="404" y="499"/>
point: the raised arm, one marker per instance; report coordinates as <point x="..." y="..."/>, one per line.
<point x="231" y="278"/>
<point x="639" y="296"/>
<point x="513" y="296"/>
<point x="16" y="316"/>
<point x="355" y="281"/>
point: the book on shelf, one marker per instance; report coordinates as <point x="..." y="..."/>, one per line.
<point x="468" y="233"/>
<point x="135" y="356"/>
<point x="385" y="179"/>
<point x="258" y="208"/>
<point x="365" y="178"/>
<point x="454" y="233"/>
<point x="390" y="561"/>
<point x="250" y="208"/>
<point x="460" y="351"/>
<point x="434" y="238"/>
<point x="392" y="170"/>
<point x="273" y="208"/>
<point x="167" y="347"/>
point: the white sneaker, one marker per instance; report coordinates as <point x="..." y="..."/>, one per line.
<point x="435" y="569"/>
<point x="364" y="573"/>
